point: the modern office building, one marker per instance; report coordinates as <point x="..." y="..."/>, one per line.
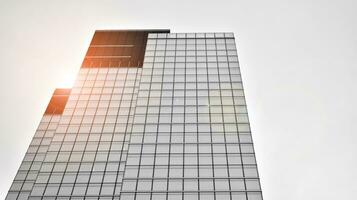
<point x="153" y="115"/>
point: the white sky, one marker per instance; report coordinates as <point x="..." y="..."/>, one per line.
<point x="298" y="62"/>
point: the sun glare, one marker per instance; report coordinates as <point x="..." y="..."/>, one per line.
<point x="66" y="82"/>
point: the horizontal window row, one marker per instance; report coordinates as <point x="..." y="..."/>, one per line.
<point x="44" y="131"/>
<point x="85" y="178"/>
<point x="81" y="177"/>
<point x="177" y="158"/>
<point x="88" y="147"/>
<point x="108" y="83"/>
<point x="189" y="45"/>
<point x="117" y="87"/>
<point x="188" y="70"/>
<point x="21" y="186"/>
<point x="50" y="118"/>
<point x="26" y="175"/>
<point x="147" y="138"/>
<point x="206" y="195"/>
<point x="163" y="144"/>
<point x="189" y="36"/>
<point x="34" y="157"/>
<point x="225" y="109"/>
<point x="146" y="195"/>
<point x="178" y="122"/>
<point x="114" y="166"/>
<point x="103" y="147"/>
<point x="179" y="53"/>
<point x="190" y="148"/>
<point x="165" y="89"/>
<point x="190" y="116"/>
<point x="182" y="59"/>
<point x="83" y="92"/>
<point x="89" y="119"/>
<point x="122" y="80"/>
<point x="191" y="65"/>
<point x="108" y="115"/>
<point x="160" y="174"/>
<point x="191" y="128"/>
<point x="189" y="96"/>
<point x="191" y="171"/>
<point x="110" y="112"/>
<point x="98" y="98"/>
<point x="18" y="195"/>
<point x="178" y="105"/>
<point x="113" y="77"/>
<point x="98" y="132"/>
<point x="87" y="136"/>
<point x="101" y="70"/>
<point x="198" y="47"/>
<point x="37" y="149"/>
<point x="190" y="89"/>
<point x="105" y="96"/>
<point x="93" y="128"/>
<point x="190" y="138"/>
<point x="224" y="190"/>
<point x="191" y="56"/>
<point x="202" y="113"/>
<point x="200" y="79"/>
<point x="190" y="159"/>
<point x="101" y="96"/>
<point x="45" y="126"/>
<point x="40" y="141"/>
<point x="192" y="95"/>
<point x="192" y="39"/>
<point x="75" y="190"/>
<point x="180" y="101"/>
<point x="70" y="134"/>
<point x="88" y="156"/>
<point x="191" y="185"/>
<point x="107" y="77"/>
<point x="81" y="167"/>
<point x="211" y="79"/>
<point x="30" y="166"/>
<point x="129" y="86"/>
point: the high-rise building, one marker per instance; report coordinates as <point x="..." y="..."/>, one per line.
<point x="152" y="115"/>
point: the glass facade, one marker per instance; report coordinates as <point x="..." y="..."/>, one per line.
<point x="174" y="128"/>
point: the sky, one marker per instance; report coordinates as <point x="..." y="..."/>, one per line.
<point x="298" y="61"/>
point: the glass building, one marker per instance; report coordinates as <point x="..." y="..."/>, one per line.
<point x="153" y="115"/>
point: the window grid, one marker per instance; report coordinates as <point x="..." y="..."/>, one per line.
<point x="100" y="185"/>
<point x="29" y="168"/>
<point x="173" y="83"/>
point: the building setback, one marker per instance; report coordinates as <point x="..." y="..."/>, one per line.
<point x="152" y="115"/>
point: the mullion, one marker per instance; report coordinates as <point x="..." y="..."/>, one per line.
<point x="158" y="122"/>
<point x="235" y="111"/>
<point x="143" y="138"/>
<point x="210" y="122"/>
<point x="91" y="171"/>
<point x="122" y="143"/>
<point x="106" y="114"/>
<point x="184" y="121"/>
<point x="223" y="124"/>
